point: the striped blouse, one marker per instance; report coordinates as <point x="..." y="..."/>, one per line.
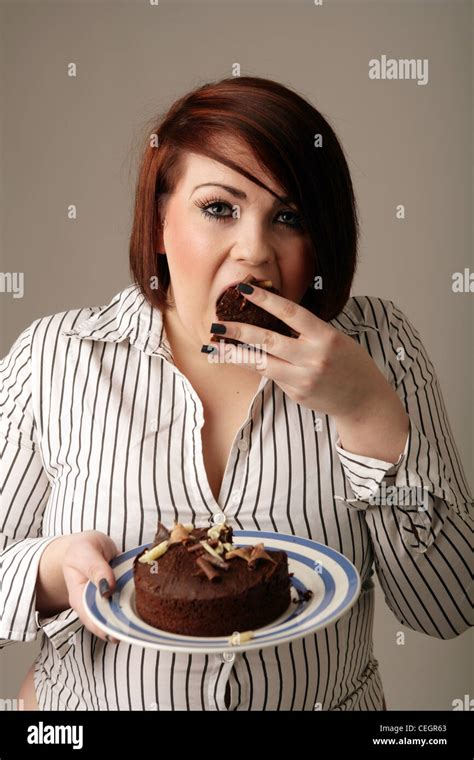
<point x="100" y="430"/>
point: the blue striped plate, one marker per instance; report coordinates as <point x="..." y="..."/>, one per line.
<point x="331" y="577"/>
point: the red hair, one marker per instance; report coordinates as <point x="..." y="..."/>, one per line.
<point x="280" y="128"/>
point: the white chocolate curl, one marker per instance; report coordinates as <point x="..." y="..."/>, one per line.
<point x="154" y="553"/>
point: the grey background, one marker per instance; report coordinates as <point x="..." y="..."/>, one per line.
<point x="66" y="141"/>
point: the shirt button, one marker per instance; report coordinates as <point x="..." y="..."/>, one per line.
<point x="242" y="445"/>
<point x="218" y="518"/>
<point x="235" y="497"/>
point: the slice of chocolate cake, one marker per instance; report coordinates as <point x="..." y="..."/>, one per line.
<point x="232" y="306"/>
<point x="196" y="582"/>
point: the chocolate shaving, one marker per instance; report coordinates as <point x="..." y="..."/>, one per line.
<point x="225" y="536"/>
<point x="179" y="534"/>
<point x="244" y="552"/>
<point x="258" y="552"/>
<point x="303" y="596"/>
<point x="162" y="534"/>
<point x="208" y="569"/>
<point x="194" y="548"/>
<point x="217" y="562"/>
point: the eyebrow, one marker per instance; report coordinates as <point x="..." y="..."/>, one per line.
<point x="233" y="191"/>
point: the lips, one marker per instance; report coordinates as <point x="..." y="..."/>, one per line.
<point x="229" y="285"/>
<point x="242" y="279"/>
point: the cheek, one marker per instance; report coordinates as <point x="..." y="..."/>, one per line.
<point x="187" y="247"/>
<point x="297" y="272"/>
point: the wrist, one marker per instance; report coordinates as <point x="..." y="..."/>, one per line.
<point x="378" y="429"/>
<point x="52" y="594"/>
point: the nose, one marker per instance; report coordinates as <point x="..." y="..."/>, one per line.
<point x="253" y="246"/>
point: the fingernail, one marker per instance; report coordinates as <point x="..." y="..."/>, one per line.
<point x="244" y="287"/>
<point x="110" y="639"/>
<point x="104" y="587"/>
<point x="217" y="328"/>
<point x="206" y="349"/>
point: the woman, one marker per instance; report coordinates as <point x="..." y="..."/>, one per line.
<point x="115" y="417"/>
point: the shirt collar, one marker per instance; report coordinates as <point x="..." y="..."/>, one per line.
<point x="129" y="315"/>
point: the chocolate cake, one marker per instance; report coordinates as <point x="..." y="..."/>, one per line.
<point x="196" y="582"/>
<point x="232" y="306"/>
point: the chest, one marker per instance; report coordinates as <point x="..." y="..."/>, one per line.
<point x="223" y="417"/>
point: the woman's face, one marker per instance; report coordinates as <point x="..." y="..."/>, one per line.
<point x="215" y="236"/>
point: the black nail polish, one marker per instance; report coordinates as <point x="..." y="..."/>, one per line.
<point x="205" y="349"/>
<point x="216" y="328"/>
<point x="104" y="587"/>
<point x="244" y="287"/>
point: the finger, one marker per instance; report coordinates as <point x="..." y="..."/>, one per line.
<point x="104" y="543"/>
<point x="245" y="355"/>
<point x="90" y="625"/>
<point x="110" y="548"/>
<point x="76" y="601"/>
<point x="75" y="583"/>
<point x="87" y="622"/>
<point x="291" y="313"/>
<point x="269" y="366"/>
<point x="267" y="341"/>
<point x="90" y="562"/>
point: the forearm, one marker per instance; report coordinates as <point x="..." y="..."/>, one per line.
<point x="51" y="590"/>
<point x="379" y="429"/>
<point x="430" y="588"/>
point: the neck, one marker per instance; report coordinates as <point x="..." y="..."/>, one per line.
<point x="190" y="360"/>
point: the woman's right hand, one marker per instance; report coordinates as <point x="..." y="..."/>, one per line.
<point x="79" y="558"/>
<point x="88" y="560"/>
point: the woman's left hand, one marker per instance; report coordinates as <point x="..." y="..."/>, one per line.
<point x="322" y="369"/>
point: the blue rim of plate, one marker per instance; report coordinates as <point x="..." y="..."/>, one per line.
<point x="333" y="580"/>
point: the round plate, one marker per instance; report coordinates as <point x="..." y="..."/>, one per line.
<point x="331" y="577"/>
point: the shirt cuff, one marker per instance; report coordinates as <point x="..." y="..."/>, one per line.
<point x="409" y="486"/>
<point x="19" y="618"/>
<point x="20" y="563"/>
<point x="366" y="474"/>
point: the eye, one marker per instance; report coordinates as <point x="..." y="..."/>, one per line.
<point x="212" y="209"/>
<point x="213" y="204"/>
<point x="298" y="222"/>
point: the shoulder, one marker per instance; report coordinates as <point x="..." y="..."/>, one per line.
<point x="34" y="346"/>
<point x="51" y="332"/>
<point x="48" y="329"/>
<point x="373" y="311"/>
<point x="384" y="329"/>
<point x="47" y="334"/>
<point x="382" y="315"/>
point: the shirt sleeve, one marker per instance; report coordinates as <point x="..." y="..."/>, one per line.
<point x="24" y="493"/>
<point x="419" y="509"/>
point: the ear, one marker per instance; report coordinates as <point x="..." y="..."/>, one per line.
<point x="159" y="239"/>
<point x="159" y="246"/>
<point x="160" y="225"/>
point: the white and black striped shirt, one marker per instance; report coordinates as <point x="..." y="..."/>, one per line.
<point x="100" y="430"/>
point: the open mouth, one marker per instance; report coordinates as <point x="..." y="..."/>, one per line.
<point x="266" y="282"/>
<point x="230" y="285"/>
